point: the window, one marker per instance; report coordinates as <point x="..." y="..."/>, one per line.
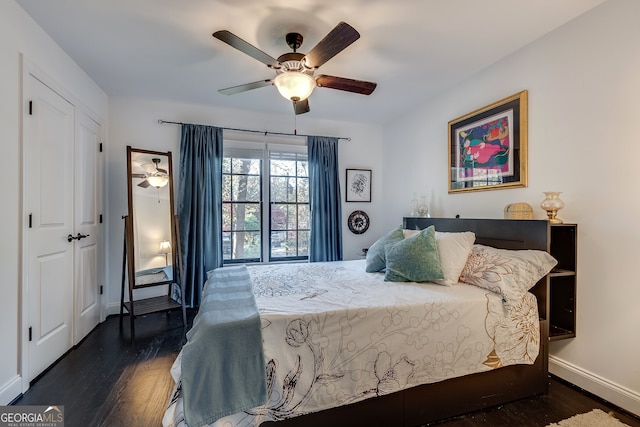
<point x="258" y="175"/>
<point x="289" y="202"/>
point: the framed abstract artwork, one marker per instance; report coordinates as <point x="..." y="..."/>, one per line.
<point x="488" y="147"/>
<point x="358" y="185"/>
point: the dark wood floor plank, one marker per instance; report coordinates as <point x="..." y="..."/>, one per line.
<point x="562" y="401"/>
<point x="109" y="381"/>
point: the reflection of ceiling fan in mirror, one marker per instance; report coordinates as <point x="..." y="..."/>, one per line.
<point x="294" y="71"/>
<point x="154" y="175"/>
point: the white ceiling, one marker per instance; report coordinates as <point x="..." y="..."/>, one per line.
<point x="413" y="49"/>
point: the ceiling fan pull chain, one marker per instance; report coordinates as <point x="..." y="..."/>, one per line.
<point x="295" y="120"/>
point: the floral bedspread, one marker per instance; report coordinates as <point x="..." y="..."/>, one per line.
<point x="335" y="335"/>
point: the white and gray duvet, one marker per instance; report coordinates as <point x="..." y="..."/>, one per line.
<point x="334" y="335"/>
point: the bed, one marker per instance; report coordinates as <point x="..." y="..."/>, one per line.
<point x="388" y="388"/>
<point x="154" y="275"/>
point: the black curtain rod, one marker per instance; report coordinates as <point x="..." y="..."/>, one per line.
<point x="162" y="122"/>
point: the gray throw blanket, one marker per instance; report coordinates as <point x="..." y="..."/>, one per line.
<point x="223" y="368"/>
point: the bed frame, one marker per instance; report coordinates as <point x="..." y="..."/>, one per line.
<point x="437" y="401"/>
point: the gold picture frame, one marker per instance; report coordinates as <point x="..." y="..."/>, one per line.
<point x="488" y="147"/>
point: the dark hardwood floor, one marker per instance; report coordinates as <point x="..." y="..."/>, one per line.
<point x="108" y="381"/>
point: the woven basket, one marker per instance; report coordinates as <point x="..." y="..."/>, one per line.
<point x="519" y="210"/>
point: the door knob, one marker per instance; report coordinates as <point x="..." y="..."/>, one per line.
<point x="76" y="237"/>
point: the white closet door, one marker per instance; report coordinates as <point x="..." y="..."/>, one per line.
<point x="87" y="210"/>
<point x="49" y="169"/>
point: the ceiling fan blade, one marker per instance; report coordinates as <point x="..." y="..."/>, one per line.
<point x="149" y="168"/>
<point x="301" y="107"/>
<point x="144" y="184"/>
<point x="245" y="87"/>
<point x="138" y="175"/>
<point x="332" y="44"/>
<point x="163" y="171"/>
<point x="349" y="85"/>
<point x="246" y="48"/>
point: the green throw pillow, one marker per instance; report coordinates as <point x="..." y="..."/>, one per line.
<point x="414" y="259"/>
<point x="375" y="255"/>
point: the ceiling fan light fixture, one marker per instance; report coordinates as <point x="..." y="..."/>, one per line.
<point x="294" y="85"/>
<point x="158" y="181"/>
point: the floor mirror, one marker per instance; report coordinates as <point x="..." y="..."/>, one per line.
<point x="151" y="247"/>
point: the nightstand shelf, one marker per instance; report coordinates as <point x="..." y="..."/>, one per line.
<point x="556" y="272"/>
<point x="562" y="281"/>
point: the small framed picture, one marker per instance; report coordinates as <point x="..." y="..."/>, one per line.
<point x="358" y="185"/>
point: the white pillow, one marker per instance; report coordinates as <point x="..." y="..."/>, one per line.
<point x="454" y="249"/>
<point x="409" y="233"/>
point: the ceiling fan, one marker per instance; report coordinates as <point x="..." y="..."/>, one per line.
<point x="294" y="71"/>
<point x="154" y="175"/>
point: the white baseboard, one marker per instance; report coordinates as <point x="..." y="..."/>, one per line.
<point x="113" y="308"/>
<point x="10" y="390"/>
<point x="607" y="390"/>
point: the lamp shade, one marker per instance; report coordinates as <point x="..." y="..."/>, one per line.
<point x="294" y="85"/>
<point x="165" y="247"/>
<point x="157" y="181"/>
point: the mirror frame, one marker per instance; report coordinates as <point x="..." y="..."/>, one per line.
<point x="130" y="224"/>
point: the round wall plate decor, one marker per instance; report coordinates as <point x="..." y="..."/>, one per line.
<point x="358" y="222"/>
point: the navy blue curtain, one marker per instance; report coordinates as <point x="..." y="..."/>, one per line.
<point x="200" y="206"/>
<point x="325" y="242"/>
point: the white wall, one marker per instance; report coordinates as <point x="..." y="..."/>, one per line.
<point x="584" y="84"/>
<point x="20" y="35"/>
<point x="134" y="122"/>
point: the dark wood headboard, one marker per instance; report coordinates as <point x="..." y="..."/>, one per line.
<point x="500" y="233"/>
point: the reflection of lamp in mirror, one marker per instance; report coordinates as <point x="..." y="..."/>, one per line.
<point x="165" y="248"/>
<point x="157" y="181"/>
